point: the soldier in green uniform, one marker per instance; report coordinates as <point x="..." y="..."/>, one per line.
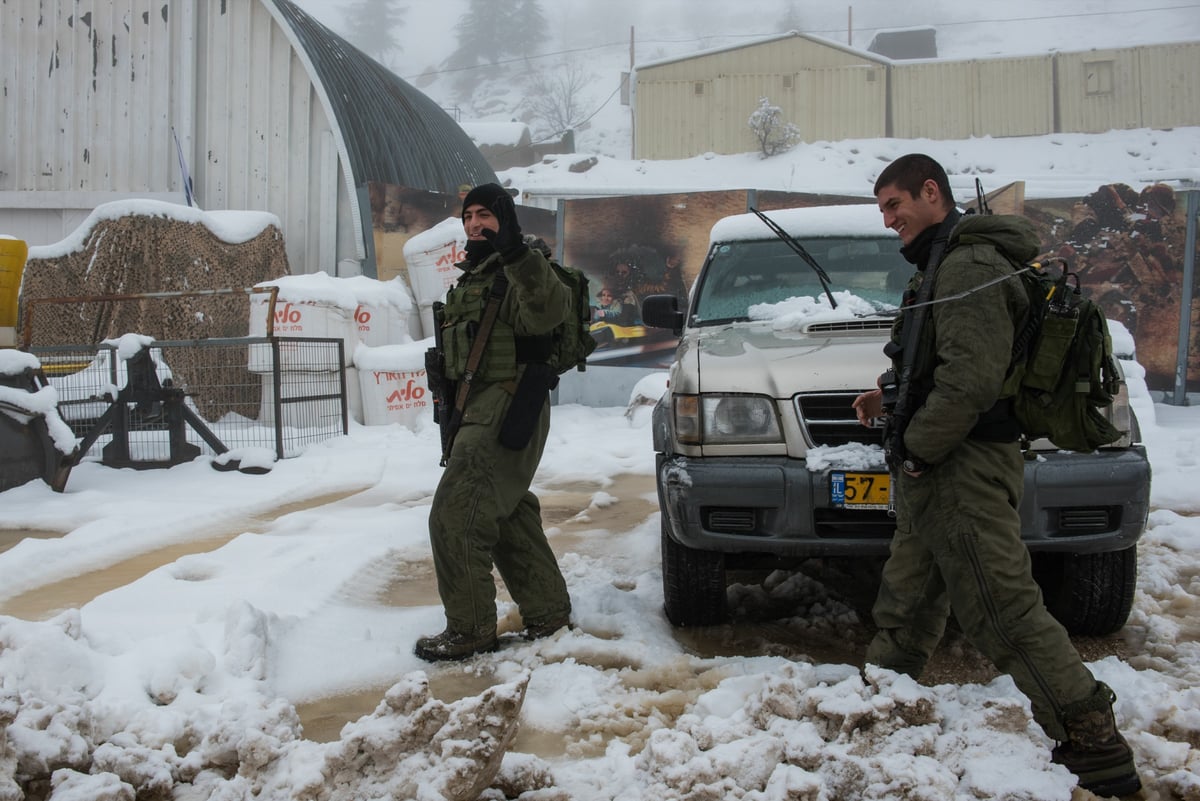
<point x="958" y="477"/>
<point x="483" y="513"/>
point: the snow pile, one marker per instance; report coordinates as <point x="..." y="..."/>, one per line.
<point x="23" y="404"/>
<point x="794" y="313"/>
<point x="813" y="732"/>
<point x="64" y="728"/>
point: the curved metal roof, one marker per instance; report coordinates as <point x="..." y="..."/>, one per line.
<point x="393" y="132"/>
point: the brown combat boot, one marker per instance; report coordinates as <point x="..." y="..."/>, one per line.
<point x="1095" y="751"/>
<point x="536" y="631"/>
<point x="454" y="645"/>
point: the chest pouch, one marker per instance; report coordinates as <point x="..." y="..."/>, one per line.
<point x="463" y="313"/>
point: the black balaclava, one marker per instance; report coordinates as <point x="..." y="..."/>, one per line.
<point x="917" y="251"/>
<point x="486" y="195"/>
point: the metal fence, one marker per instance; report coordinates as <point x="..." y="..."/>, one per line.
<point x="169" y="401"/>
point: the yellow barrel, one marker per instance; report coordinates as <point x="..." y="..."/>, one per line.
<point x="13" y="253"/>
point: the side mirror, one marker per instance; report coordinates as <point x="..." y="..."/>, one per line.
<point x="662" y="311"/>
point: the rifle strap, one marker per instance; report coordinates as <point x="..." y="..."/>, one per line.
<point x="475" y="356"/>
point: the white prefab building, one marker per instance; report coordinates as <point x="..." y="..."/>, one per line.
<point x="255" y="102"/>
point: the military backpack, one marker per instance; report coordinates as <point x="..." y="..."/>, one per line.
<point x="1063" y="369"/>
<point x="573" y="341"/>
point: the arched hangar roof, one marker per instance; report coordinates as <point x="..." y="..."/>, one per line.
<point x="391" y="131"/>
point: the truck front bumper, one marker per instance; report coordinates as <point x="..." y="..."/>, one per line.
<point x="1080" y="503"/>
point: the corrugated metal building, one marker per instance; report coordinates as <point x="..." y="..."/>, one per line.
<point x="271" y="110"/>
<point x="1140" y="87"/>
<point x="688" y="106"/>
<point x="961" y="99"/>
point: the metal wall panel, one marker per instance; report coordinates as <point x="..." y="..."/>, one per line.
<point x="1170" y="85"/>
<point x="245" y="124"/>
<point x="87" y="86"/>
<point x="1015" y="96"/>
<point x="266" y="126"/>
<point x="934" y="100"/>
<point x="840" y="103"/>
<point x="673" y="118"/>
<point x="1099" y="90"/>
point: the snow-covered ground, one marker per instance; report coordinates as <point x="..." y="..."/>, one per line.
<point x="206" y="607"/>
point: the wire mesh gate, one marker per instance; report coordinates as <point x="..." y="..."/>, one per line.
<point x="170" y="401"/>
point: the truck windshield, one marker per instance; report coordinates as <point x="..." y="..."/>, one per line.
<point x="741" y="274"/>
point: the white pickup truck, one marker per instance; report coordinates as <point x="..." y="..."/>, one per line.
<point x="749" y="433"/>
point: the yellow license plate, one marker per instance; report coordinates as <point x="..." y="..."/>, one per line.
<point x="859" y="490"/>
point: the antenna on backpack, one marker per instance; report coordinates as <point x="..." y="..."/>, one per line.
<point x="981" y="201"/>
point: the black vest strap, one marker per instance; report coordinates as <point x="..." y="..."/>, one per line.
<point x="534" y="349"/>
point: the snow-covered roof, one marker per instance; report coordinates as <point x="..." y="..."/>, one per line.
<point x="232" y="226"/>
<point x="861" y="53"/>
<point x="393" y="132"/>
<point x="484" y="132"/>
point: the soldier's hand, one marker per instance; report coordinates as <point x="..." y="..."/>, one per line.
<point x="507" y="241"/>
<point x="868" y="406"/>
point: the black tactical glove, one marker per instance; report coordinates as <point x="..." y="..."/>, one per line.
<point x="507" y="241"/>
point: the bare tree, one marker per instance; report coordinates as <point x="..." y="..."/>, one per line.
<point x="791" y="19"/>
<point x="773" y="134"/>
<point x="557" y="98"/>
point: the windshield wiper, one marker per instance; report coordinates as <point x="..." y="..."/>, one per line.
<point x="801" y="252"/>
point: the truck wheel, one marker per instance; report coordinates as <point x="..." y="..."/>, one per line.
<point x="1090" y="594"/>
<point x="693" y="584"/>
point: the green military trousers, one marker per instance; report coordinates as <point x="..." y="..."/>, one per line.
<point x="958" y="547"/>
<point x="483" y="514"/>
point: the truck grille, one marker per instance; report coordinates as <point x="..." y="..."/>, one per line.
<point x="829" y="419"/>
<point x="840" y="326"/>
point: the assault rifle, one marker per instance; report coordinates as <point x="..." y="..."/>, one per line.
<point x="441" y="388"/>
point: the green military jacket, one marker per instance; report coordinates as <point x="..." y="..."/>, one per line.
<point x="534" y="305"/>
<point x="966" y="343"/>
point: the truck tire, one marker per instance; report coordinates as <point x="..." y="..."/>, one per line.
<point x="1090" y="594"/>
<point x="693" y="584"/>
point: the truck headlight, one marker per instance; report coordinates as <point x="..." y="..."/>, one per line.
<point x="725" y="419"/>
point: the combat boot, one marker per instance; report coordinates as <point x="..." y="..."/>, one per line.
<point x="536" y="631"/>
<point x="451" y="644"/>
<point x="1095" y="751"/>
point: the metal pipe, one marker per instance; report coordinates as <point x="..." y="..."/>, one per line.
<point x="1185" y="300"/>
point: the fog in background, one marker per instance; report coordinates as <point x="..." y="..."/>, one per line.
<point x="560" y="65"/>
